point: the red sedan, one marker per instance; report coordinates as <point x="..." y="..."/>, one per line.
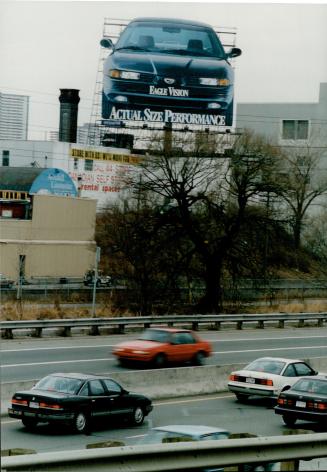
<point x="160" y="346"/>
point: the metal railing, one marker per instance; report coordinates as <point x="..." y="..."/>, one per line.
<point x="7" y="327"/>
<point x="173" y="457"/>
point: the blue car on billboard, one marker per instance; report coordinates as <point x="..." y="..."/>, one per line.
<point x="168" y="70"/>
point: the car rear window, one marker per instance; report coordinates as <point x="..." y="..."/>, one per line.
<point x="311" y="386"/>
<point x="266" y="365"/>
<point x="155" y="335"/>
<point x="58" y="384"/>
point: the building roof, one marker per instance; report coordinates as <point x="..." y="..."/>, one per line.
<point x="18" y="178"/>
<point x="36" y="180"/>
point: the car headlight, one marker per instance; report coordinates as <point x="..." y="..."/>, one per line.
<point x="124" y="74"/>
<point x="214" y="81"/>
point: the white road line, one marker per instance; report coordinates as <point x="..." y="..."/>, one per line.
<point x="273" y="349"/>
<point x="56" y="362"/>
<point x="107" y="359"/>
<point x="112" y="345"/>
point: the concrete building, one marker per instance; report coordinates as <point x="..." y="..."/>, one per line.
<point x="98" y="172"/>
<point x="45" y="230"/>
<point x="13" y="117"/>
<point x="288" y="124"/>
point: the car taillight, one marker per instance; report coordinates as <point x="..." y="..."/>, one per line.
<point x="232" y="377"/>
<point x="52" y="406"/>
<point x="15" y="401"/>
<point x="281" y="401"/>
<point x="320" y="406"/>
<point x="266" y="382"/>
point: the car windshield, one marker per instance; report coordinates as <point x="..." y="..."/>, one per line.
<point x="58" y="384"/>
<point x="311" y="386"/>
<point x="155" y="335"/>
<point x="171" y="38"/>
<point x="266" y="365"/>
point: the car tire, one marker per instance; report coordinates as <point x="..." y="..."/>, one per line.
<point x="29" y="423"/>
<point x="159" y="361"/>
<point x="241" y="397"/>
<point x="289" y="420"/>
<point x="81" y="422"/>
<point x="199" y="358"/>
<point x="138" y="416"/>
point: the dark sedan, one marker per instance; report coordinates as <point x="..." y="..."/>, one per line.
<point x="170" y="70"/>
<point x="306" y="400"/>
<point x="77" y="399"/>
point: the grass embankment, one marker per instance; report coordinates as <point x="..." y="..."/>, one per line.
<point x="12" y="311"/>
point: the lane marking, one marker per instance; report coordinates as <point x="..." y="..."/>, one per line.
<point x="113" y="345"/>
<point x="107" y="359"/>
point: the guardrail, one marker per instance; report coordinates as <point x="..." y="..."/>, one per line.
<point x="7" y="327"/>
<point x="173" y="457"/>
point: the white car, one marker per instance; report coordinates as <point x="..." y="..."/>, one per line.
<point x="267" y="377"/>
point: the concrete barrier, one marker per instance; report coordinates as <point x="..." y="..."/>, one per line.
<point x="165" y="383"/>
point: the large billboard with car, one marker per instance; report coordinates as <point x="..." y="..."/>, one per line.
<point x="169" y="71"/>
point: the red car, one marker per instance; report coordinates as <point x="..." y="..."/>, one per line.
<point x="160" y="346"/>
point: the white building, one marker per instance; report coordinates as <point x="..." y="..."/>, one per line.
<point x="100" y="173"/>
<point x="13" y="116"/>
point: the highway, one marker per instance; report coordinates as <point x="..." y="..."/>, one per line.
<point x="27" y="359"/>
<point x="220" y="410"/>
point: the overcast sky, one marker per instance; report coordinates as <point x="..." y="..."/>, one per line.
<point x="45" y="46"/>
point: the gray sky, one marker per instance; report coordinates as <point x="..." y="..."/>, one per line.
<point x="45" y="46"/>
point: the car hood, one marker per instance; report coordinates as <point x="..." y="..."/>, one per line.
<point x="139" y="344"/>
<point x="167" y="64"/>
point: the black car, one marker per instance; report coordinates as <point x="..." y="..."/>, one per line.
<point x="170" y="70"/>
<point x="77" y="399"/>
<point x="306" y="400"/>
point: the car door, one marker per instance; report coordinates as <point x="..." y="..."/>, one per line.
<point x="182" y="347"/>
<point x="100" y="403"/>
<point x="295" y="370"/>
<point x="118" y="400"/>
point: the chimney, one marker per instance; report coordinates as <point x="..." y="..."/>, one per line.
<point x="69" y="100"/>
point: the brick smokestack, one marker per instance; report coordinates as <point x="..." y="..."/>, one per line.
<point x="69" y="100"/>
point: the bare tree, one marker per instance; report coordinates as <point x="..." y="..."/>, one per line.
<point x="302" y="183"/>
<point x="211" y="199"/>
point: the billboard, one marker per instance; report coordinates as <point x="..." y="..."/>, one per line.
<point x="168" y="71"/>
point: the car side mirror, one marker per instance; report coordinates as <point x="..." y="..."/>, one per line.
<point x="234" y="52"/>
<point x="106" y="43"/>
<point x="286" y="388"/>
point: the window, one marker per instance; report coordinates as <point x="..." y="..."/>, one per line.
<point x="88" y="164"/>
<point x="183" y="338"/>
<point x="96" y="388"/>
<point x="112" y="387"/>
<point x="295" y="129"/>
<point x="290" y="371"/>
<point x="303" y="369"/>
<point x="5" y="158"/>
<point x="76" y="163"/>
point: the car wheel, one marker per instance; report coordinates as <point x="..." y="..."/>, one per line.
<point x="289" y="420"/>
<point x="81" y="422"/>
<point x="138" y="416"/>
<point x="199" y="358"/>
<point x="29" y="423"/>
<point x="159" y="361"/>
<point x="241" y="397"/>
